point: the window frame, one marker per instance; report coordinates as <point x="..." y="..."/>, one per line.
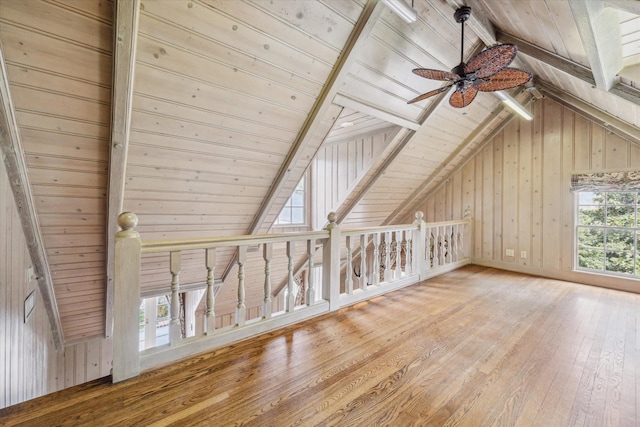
<point x="605" y="227"/>
<point x="288" y="205"/>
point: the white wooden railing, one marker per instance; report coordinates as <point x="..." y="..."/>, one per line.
<point x="356" y="265"/>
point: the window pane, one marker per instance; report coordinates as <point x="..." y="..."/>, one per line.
<point x="620" y="262"/>
<point x="285" y="216"/>
<point x="590" y="237"/>
<point x="620" y="198"/>
<point x="591" y="258"/>
<point x="297" y="199"/>
<point x="591" y="215"/>
<point x="297" y="215"/>
<point x="591" y="198"/>
<point x="620" y="216"/>
<point x="619" y="240"/>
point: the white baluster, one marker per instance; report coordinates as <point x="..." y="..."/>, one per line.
<point x="311" y="290"/>
<point x="175" y="332"/>
<point x="241" y="308"/>
<point x="376" y="260"/>
<point x="387" y="256"/>
<point x="210" y="262"/>
<point x="454" y="243"/>
<point x="441" y="246"/>
<point x="348" y="281"/>
<point x="363" y="261"/>
<point x="429" y="244"/>
<point x="267" y="253"/>
<point x="398" y="272"/>
<point x="408" y="250"/>
<point x="291" y="294"/>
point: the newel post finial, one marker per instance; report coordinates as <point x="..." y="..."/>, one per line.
<point x="419" y="217"/>
<point x="332" y="217"/>
<point x="127" y="222"/>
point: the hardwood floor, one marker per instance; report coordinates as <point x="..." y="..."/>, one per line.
<point x="475" y="347"/>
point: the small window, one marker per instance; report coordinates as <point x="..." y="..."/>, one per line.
<point x="294" y="211"/>
<point x="607" y="232"/>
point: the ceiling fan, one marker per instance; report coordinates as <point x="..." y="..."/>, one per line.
<point x="487" y="71"/>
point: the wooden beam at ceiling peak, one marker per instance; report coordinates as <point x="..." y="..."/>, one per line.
<point x="566" y="65"/>
<point x="126" y="17"/>
<point x="599" y="29"/>
<point x="624" y="5"/>
<point x="11" y="148"/>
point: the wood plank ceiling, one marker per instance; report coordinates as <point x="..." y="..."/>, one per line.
<point x="231" y="100"/>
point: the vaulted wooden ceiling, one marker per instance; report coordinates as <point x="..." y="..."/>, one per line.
<point x="202" y="115"/>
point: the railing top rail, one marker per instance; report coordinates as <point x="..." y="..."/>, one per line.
<point x="441" y="223"/>
<point x="382" y="229"/>
<point x="216" y="242"/>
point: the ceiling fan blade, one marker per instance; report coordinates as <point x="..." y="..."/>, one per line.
<point x="428" y="73"/>
<point x="505" y="79"/>
<point x="429" y="94"/>
<point x="491" y="61"/>
<point x="463" y="97"/>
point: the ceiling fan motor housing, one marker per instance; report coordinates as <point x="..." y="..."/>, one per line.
<point x="462" y="14"/>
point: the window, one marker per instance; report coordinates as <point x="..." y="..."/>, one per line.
<point x="607" y="232"/>
<point x="154" y="322"/>
<point x="293" y="212"/>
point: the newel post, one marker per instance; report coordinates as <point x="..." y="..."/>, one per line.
<point x="331" y="264"/>
<point x="418" y="243"/>
<point x="126" y="299"/>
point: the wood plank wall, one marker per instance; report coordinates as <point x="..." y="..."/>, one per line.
<point x="517" y="190"/>
<point x="338" y="168"/>
<point x="27" y="351"/>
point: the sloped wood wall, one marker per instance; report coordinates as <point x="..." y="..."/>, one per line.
<point x="516" y="188"/>
<point x="58" y="58"/>
<point x="28" y="351"/>
<point x="338" y="168"/>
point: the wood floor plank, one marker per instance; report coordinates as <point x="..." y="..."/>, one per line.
<point x="476" y="346"/>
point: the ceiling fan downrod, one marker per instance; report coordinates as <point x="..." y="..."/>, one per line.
<point x="461" y="15"/>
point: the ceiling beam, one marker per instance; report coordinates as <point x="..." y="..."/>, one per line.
<point x="126" y="17"/>
<point x="565" y="65"/>
<point x="374" y="111"/>
<point x="624" y="5"/>
<point x="603" y="118"/>
<point x="11" y="147"/>
<point x="550" y="58"/>
<point x="599" y="29"/>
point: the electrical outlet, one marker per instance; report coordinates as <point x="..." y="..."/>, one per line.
<point x="510" y="252"/>
<point x="523" y="254"/>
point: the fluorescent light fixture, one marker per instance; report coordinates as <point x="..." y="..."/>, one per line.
<point x="513" y="104"/>
<point x="402" y="9"/>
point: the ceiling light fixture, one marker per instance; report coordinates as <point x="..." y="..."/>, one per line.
<point x="402" y="9"/>
<point x="514" y="105"/>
